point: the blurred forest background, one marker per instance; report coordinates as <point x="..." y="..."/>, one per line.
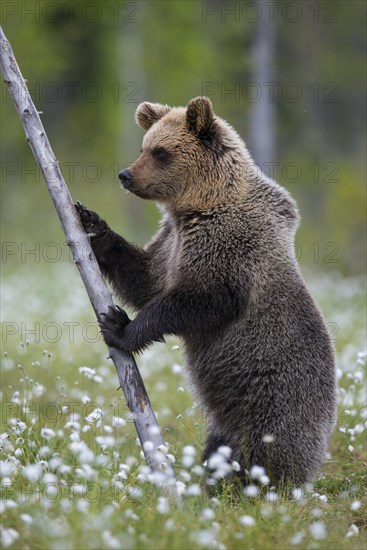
<point x="289" y="76"/>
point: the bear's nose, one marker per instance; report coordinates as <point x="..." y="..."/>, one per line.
<point x="125" y="177"/>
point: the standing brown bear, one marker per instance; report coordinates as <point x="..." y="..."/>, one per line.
<point x="221" y="273"/>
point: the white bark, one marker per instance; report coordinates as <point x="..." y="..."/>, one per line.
<point x="99" y="295"/>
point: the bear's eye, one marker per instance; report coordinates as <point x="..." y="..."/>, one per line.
<point x="160" y="153"/>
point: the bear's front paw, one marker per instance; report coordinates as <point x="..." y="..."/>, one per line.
<point x="93" y="225"/>
<point x="112" y="326"/>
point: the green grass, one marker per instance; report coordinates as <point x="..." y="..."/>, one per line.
<point x="83" y="484"/>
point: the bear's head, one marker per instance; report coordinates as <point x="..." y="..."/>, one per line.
<point x="190" y="158"/>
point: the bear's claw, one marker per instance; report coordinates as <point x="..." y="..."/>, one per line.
<point x="93" y="225"/>
<point x="112" y="325"/>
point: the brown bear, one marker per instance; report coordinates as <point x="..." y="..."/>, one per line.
<point x="222" y="274"/>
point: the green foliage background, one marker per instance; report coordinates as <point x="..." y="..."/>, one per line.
<point x="171" y="51"/>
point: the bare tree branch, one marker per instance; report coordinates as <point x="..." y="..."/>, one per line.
<point x="99" y="295"/>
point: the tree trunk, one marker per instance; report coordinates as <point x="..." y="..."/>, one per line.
<point x="100" y="297"/>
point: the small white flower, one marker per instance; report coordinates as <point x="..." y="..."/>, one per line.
<point x="298" y="538"/>
<point x="170" y="524"/>
<point x="19" y="428"/>
<point x="215" y="461"/>
<point x="251" y="491"/>
<point x="187" y="461"/>
<point x="207" y="514"/>
<point x="185" y="476"/>
<point x="83" y="452"/>
<point x="47" y="433"/>
<point x="297" y="494"/>
<point x="163" y="506"/>
<point x="135" y="492"/>
<point x="225" y="451"/>
<point x="355" y="505"/>
<point x="95" y="416"/>
<point x="44" y="451"/>
<point x="176" y="369"/>
<point x="264" y="480"/>
<point x="358" y="377"/>
<point x="148" y="446"/>
<point x="256" y="472"/>
<point x="352" y="531"/>
<point x="193" y="490"/>
<point x="106" y="441"/>
<point x="49" y="478"/>
<point x="189" y="450"/>
<point x="268" y="438"/>
<point x="180" y="488"/>
<point x="8" y="536"/>
<point x="247" y="521"/>
<point x="110" y="541"/>
<point x="32" y="472"/>
<point x="318" y="530"/>
<point x="82" y="505"/>
<point x="88" y="373"/>
<point x="197" y="470"/>
<point x="118" y="421"/>
<point x="153" y="430"/>
<point x="205" y="537"/>
<point x="26" y="518"/>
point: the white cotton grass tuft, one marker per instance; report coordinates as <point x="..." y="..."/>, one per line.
<point x="256" y="472"/>
<point x="7" y="468"/>
<point x="225" y="451"/>
<point x="188" y="458"/>
<point x="8" y="536"/>
<point x="251" y="491"/>
<point x="353" y="531"/>
<point x="148" y="446"/>
<point x="207" y="514"/>
<point x="47" y="433"/>
<point x="356" y="505"/>
<point x="297" y="494"/>
<point x="271" y="496"/>
<point x="193" y="490"/>
<point x="318" y="530"/>
<point x="247" y="521"/>
<point x="298" y="538"/>
<point x="163" y="505"/>
<point x="95" y="417"/>
<point x="32" y="472"/>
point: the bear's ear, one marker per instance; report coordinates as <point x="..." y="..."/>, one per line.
<point x="147" y="114"/>
<point x="199" y="115"/>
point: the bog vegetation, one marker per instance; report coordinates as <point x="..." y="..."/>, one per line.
<point x="73" y="474"/>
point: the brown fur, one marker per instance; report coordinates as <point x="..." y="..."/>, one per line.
<point x="221" y="273"/>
